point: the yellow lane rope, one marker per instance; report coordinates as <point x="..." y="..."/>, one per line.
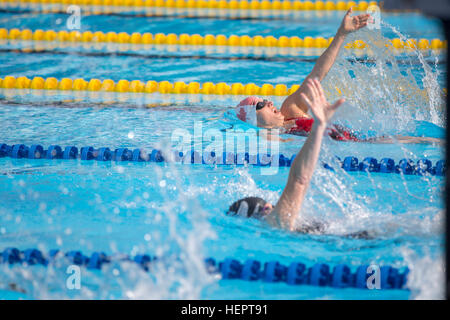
<point x="165" y="12"/>
<point x="108" y="85"/>
<point x="198" y="40"/>
<point x="137" y="86"/>
<point x="216" y="4"/>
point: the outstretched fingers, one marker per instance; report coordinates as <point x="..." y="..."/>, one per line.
<point x="363" y="21"/>
<point x="363" y="17"/>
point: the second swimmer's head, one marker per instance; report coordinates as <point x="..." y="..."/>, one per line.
<point x="250" y="207"/>
<point x="259" y="112"/>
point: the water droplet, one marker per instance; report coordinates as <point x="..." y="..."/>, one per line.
<point x="42" y="206"/>
<point x="120" y="169"/>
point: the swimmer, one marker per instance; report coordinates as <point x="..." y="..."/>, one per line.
<point x="293" y="116"/>
<point x="286" y="213"/>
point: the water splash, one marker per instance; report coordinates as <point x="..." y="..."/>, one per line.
<point x="426" y="279"/>
<point x="188" y="267"/>
<point x="380" y="85"/>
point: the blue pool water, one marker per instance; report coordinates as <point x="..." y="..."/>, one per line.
<point x="169" y="209"/>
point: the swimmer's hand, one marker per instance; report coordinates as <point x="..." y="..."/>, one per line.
<point x="322" y="111"/>
<point x="352" y="24"/>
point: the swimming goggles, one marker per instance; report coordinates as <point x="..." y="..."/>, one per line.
<point x="261" y="104"/>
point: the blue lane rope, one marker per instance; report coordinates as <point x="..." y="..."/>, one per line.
<point x="369" y="164"/>
<point x="320" y="274"/>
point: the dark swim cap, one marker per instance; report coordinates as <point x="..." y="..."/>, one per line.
<point x="247" y="207"/>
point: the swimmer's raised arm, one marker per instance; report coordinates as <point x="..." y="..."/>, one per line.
<point x="288" y="207"/>
<point x="293" y="106"/>
<point x="326" y="60"/>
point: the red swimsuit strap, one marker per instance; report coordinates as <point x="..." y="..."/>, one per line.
<point x="303" y="126"/>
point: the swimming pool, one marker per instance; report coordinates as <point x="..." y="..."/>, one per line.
<point x="177" y="211"/>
